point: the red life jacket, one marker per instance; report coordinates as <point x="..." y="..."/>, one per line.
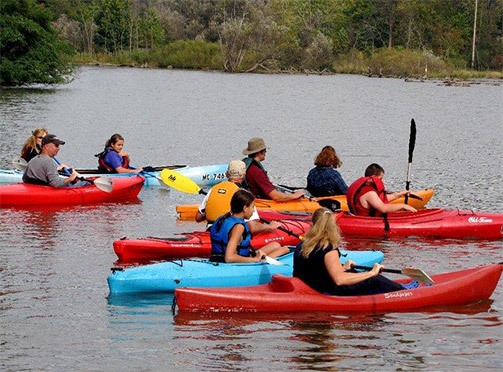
<point x="355" y="192"/>
<point x="104" y="166"/>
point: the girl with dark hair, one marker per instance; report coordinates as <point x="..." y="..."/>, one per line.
<point x="230" y="234"/>
<point x="324" y="179"/>
<point x="114" y="159"/>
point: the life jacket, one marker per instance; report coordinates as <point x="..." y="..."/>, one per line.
<point x="219" y="234"/>
<point x="219" y="201"/>
<point x="104" y="166"/>
<point x="354" y="190"/>
<point x="248" y="162"/>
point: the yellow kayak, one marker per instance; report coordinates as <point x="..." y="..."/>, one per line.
<point x="187" y="212"/>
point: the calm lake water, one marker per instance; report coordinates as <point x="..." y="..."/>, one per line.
<point x="55" y="313"/>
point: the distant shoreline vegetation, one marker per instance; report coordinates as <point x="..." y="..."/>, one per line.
<point x="202" y="55"/>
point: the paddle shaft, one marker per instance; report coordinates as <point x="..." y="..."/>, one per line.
<point x="412" y="144"/>
<point x="384" y="270"/>
<point x="289" y="232"/>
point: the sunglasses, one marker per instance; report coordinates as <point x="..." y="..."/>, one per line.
<point x="40" y="137"/>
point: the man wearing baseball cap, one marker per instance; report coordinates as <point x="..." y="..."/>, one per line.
<point x="42" y="169"/>
<point x="256" y="179"/>
<point x="217" y="201"/>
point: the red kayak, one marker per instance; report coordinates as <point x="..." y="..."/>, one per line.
<point x="286" y="294"/>
<point x="27" y="195"/>
<point x="197" y="244"/>
<point x="436" y="222"/>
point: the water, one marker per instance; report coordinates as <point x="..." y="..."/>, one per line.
<point x="55" y="312"/>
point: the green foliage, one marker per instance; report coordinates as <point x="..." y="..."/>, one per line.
<point x="31" y="51"/>
<point x="190" y="54"/>
<point x="388" y="36"/>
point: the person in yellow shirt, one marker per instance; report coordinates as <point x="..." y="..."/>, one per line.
<point x="217" y="201"/>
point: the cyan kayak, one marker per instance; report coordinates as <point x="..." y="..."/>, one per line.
<point x="167" y="276"/>
<point x="204" y="176"/>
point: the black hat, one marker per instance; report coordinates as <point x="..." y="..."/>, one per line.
<point x="51" y="138"/>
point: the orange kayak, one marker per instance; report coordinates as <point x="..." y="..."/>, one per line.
<point x="187" y="212"/>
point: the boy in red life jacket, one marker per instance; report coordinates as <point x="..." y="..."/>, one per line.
<point x="367" y="195"/>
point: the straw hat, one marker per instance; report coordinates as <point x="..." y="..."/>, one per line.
<point x="254" y="145"/>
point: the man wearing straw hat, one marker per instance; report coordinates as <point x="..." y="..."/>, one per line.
<point x="256" y="177"/>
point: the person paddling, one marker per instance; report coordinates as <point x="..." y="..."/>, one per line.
<point x="367" y="195"/>
<point x="317" y="263"/>
<point x="113" y="159"/>
<point x="231" y="236"/>
<point x="42" y="169"/>
<point x="257" y="180"/>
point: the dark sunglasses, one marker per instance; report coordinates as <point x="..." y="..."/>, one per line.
<point x="40" y="137"/>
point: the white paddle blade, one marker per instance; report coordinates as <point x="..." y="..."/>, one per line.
<point x="104" y="184"/>
<point x="179" y="182"/>
<point x="273" y="261"/>
<point x="19" y="163"/>
<point x="417" y="274"/>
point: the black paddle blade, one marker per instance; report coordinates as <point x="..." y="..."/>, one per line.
<point x="412" y="139"/>
<point x="333" y="205"/>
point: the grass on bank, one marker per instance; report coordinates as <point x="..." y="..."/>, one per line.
<point x="202" y="55"/>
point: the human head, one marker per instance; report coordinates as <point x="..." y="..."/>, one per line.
<point x="240" y="200"/>
<point x="327" y="158"/>
<point x="52" y="138"/>
<point x="236" y="171"/>
<point x="255" y="145"/>
<point x="116" y="142"/>
<point x="50" y="145"/>
<point x="374" y="170"/>
<point x="36" y="136"/>
<point x="322" y="233"/>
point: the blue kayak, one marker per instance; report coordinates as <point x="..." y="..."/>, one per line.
<point x="205" y="176"/>
<point x="167" y="276"/>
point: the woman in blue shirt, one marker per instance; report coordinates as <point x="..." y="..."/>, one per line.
<point x="324" y="179"/>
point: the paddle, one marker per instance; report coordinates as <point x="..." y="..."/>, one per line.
<point x="102" y="183"/>
<point x="289" y="232"/>
<point x="293" y="188"/>
<point x="412" y="144"/>
<point x="416" y="274"/>
<point x="180" y="182"/>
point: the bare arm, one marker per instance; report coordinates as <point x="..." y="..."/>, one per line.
<point x="257" y="226"/>
<point x="282" y="197"/>
<point x="339" y="274"/>
<point x="231" y="252"/>
<point x="126" y="170"/>
<point x="370" y="199"/>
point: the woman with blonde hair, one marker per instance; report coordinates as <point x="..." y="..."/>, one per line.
<point x="324" y="179"/>
<point x="317" y="263"/>
<point x="33" y="145"/>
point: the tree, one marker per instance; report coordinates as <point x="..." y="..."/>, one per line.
<point x="31" y="50"/>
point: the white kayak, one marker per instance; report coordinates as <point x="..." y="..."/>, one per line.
<point x="204" y="176"/>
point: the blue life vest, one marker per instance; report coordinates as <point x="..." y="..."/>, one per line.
<point x="219" y="234"/>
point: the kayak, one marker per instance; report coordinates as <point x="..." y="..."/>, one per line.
<point x="26" y="195"/>
<point x="286" y="294"/>
<point x="197" y="244"/>
<point x="169" y="275"/>
<point x="187" y="212"/>
<point x="435" y="222"/>
<point x="204" y="176"/>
